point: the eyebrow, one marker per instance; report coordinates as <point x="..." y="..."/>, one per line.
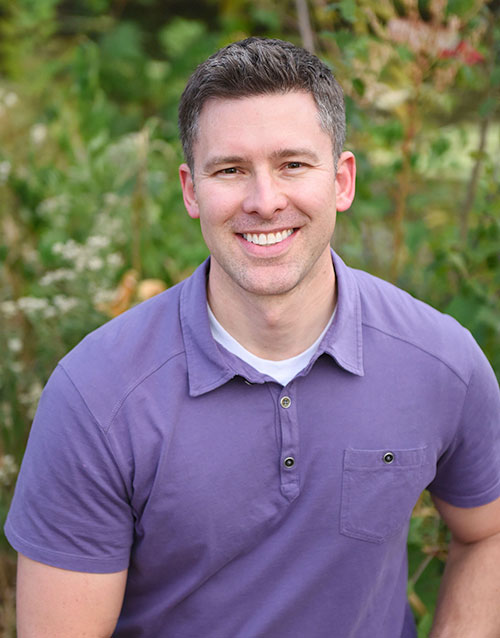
<point x="295" y="152"/>
<point x="220" y="160"/>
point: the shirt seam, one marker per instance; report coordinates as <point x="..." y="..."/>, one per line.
<point x="453" y="442"/>
<point x="70" y="379"/>
<point x="424" y="350"/>
<point x="135" y="384"/>
<point x="462" y="408"/>
<point x="103" y="431"/>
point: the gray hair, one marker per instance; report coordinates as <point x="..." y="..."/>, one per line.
<point x="260" y="66"/>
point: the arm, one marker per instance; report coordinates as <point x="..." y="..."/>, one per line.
<point x="57" y="603"/>
<point x="469" y="597"/>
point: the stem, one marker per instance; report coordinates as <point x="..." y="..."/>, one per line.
<point x="403" y="192"/>
<point x="470" y="195"/>
<point x="138" y="200"/>
<point x="306" y="32"/>
<point x="474" y="179"/>
<point x="420" y="569"/>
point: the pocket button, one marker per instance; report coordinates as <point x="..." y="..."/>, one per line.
<point x="388" y="457"/>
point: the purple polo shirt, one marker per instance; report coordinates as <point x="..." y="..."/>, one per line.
<point x="244" y="509"/>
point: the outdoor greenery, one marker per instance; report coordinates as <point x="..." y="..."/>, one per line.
<point x="91" y="214"/>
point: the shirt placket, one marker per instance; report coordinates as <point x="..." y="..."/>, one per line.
<point x="289" y="459"/>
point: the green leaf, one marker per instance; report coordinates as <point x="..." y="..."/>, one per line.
<point x="424" y="626"/>
<point x="458" y="7"/>
<point x="440" y="146"/>
<point x="267" y="18"/>
<point x="488" y="107"/>
<point x="347" y="9"/>
<point x="404" y="53"/>
<point x="359" y="86"/>
<point x="495" y="76"/>
<point x="178" y="36"/>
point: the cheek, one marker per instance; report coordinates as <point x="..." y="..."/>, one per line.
<point x="315" y="199"/>
<point x="218" y="205"/>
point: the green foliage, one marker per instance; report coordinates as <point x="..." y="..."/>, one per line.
<point x="89" y="187"/>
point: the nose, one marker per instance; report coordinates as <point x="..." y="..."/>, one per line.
<point x="264" y="195"/>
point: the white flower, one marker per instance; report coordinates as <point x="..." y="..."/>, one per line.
<point x="95" y="263"/>
<point x="9" y="308"/>
<point x="50" y="312"/>
<point x="31" y="397"/>
<point x="4" y="171"/>
<point x="15" y="344"/>
<point x="111" y="199"/>
<point x="10" y="99"/>
<point x="17" y="367"/>
<point x="114" y="260"/>
<point x="97" y="242"/>
<point x="32" y="304"/>
<point x="68" y="250"/>
<point x="389" y="99"/>
<point x="38" y="133"/>
<point x="64" y="304"/>
<point x="56" y="276"/>
<point x="6" y="415"/>
<point x="8" y="469"/>
<point x="58" y="203"/>
<point x="102" y="297"/>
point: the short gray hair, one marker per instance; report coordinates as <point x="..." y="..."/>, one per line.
<point x="261" y="66"/>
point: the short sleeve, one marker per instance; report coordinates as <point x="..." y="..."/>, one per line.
<point x="468" y="473"/>
<point x="71" y="506"/>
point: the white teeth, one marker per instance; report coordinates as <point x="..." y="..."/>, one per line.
<point x="270" y="238"/>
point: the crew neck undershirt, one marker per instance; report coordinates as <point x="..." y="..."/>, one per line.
<point x="282" y="371"/>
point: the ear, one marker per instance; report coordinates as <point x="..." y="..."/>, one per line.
<point x="188" y="192"/>
<point x="345" y="180"/>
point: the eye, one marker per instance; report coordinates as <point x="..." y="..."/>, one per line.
<point x="294" y="165"/>
<point x="232" y="170"/>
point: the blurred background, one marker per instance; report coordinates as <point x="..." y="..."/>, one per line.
<point x="91" y="214"/>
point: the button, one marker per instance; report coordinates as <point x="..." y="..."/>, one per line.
<point x="388" y="458"/>
<point x="286" y="402"/>
<point x="289" y="461"/>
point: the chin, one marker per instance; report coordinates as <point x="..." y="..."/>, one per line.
<point x="267" y="286"/>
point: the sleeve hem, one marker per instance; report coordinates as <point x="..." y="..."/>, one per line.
<point x="475" y="500"/>
<point x="72" y="562"/>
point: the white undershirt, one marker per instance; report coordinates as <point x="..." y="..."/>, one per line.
<point x="282" y="371"/>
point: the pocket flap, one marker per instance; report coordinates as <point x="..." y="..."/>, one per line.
<point x="373" y="459"/>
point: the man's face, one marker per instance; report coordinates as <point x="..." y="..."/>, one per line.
<point x="266" y="192"/>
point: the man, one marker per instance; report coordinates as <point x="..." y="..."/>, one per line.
<point x="239" y="457"/>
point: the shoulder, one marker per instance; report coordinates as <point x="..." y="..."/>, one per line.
<point x="415" y="325"/>
<point x="117" y="357"/>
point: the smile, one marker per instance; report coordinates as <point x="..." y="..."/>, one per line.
<point x="263" y="239"/>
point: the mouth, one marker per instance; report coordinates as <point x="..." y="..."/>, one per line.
<point x="268" y="239"/>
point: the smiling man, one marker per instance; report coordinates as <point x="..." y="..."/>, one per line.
<point x="239" y="457"/>
<point x="266" y="187"/>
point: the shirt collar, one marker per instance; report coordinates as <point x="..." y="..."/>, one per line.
<point x="208" y="367"/>
<point x="344" y="339"/>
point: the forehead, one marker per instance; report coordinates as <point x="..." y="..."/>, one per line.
<point x="284" y="102"/>
<point x="259" y="121"/>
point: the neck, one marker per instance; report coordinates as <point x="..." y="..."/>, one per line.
<point x="276" y="327"/>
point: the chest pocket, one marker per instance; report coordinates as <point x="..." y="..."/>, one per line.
<point x="379" y="490"/>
